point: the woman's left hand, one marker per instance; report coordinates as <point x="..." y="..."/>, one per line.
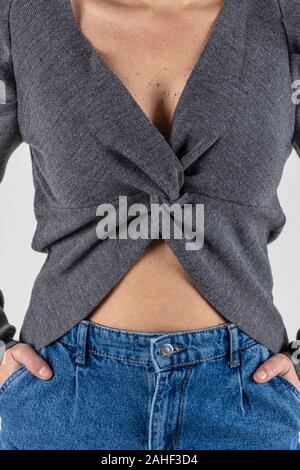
<point x="278" y="364"/>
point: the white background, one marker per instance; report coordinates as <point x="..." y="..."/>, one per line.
<point x="19" y="264"/>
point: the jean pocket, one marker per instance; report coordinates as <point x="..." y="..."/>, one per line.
<point x="11" y="378"/>
<point x="285" y="383"/>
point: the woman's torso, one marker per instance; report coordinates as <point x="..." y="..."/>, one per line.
<point x="153" y="51"/>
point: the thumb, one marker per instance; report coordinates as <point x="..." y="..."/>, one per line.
<point x="278" y="364"/>
<point x="26" y="355"/>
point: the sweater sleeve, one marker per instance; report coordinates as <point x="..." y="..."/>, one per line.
<point x="290" y="12"/>
<point x="9" y="131"/>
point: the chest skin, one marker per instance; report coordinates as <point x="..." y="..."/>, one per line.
<point x="152" y="50"/>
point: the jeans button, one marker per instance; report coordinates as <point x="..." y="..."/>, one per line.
<point x="166" y="350"/>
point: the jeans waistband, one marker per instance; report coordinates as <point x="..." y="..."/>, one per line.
<point x="162" y="350"/>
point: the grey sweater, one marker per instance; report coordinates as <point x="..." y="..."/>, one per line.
<point x="234" y="128"/>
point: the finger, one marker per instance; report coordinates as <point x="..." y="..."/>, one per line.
<point x="25" y="355"/>
<point x="278" y="364"/>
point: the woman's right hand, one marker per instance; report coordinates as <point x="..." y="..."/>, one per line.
<point x="22" y="354"/>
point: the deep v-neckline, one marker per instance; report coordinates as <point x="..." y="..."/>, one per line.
<point x="197" y="67"/>
<point x="110" y="114"/>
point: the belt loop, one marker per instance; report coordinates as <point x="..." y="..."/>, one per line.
<point x="81" y="342"/>
<point x="234" y="357"/>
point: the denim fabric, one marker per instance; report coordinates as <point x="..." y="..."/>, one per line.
<point x="117" y="389"/>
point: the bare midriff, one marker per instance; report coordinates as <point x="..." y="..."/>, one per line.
<point x="152" y="47"/>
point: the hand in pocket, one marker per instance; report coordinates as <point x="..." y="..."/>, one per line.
<point x="23" y="355"/>
<point x="278" y="364"/>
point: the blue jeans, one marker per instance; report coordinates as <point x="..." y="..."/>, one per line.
<point x="115" y="389"/>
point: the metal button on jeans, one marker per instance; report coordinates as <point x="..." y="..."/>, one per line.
<point x="166" y="350"/>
